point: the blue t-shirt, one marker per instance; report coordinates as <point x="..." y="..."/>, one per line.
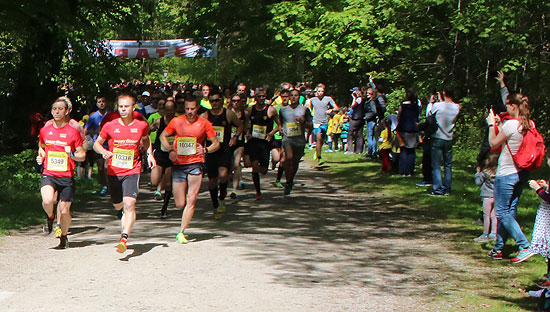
<point x="93" y="123"/>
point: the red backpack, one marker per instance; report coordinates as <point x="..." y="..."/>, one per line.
<point x="530" y="154"/>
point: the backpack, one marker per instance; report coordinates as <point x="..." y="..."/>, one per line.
<point x="530" y="154"/>
<point x="430" y="126"/>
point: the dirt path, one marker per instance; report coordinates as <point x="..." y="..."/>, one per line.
<point x="321" y="248"/>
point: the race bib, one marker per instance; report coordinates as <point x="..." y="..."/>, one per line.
<point x="58" y="161"/>
<point x="219" y="132"/>
<point x="316" y="125"/>
<point x="123" y="158"/>
<point x="186" y="146"/>
<point x="171" y="140"/>
<point x="293" y="129"/>
<point x="258" y="132"/>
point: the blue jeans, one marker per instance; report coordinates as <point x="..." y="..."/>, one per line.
<point x="442" y="149"/>
<point x="371" y="139"/>
<point x="507" y="192"/>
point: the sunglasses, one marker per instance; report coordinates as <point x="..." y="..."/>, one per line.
<point x="235" y="100"/>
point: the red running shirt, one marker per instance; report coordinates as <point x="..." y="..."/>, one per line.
<point x="188" y="137"/>
<point x="124" y="143"/>
<point x="59" y="144"/>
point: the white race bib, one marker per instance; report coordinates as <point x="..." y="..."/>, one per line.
<point x="258" y="132"/>
<point x="58" y="161"/>
<point x="293" y="129"/>
<point x="186" y="146"/>
<point x="219" y="132"/>
<point x="123" y="158"/>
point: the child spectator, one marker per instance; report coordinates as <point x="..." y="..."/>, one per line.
<point x="486" y="178"/>
<point x="385" y="145"/>
<point x="540" y="242"/>
<point x="344" y="126"/>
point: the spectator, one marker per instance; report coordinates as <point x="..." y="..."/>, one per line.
<point x="407" y="127"/>
<point x="509" y="181"/>
<point x="486" y="179"/>
<point x="442" y="141"/>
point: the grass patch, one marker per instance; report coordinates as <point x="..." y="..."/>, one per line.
<point x="502" y="285"/>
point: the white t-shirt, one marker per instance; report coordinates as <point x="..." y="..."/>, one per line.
<point x="506" y="164"/>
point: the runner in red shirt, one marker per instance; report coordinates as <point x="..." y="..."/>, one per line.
<point x="57" y="141"/>
<point x="123" y="161"/>
<point x="188" y="156"/>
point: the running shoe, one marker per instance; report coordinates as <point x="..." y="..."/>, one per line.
<point x="233" y="195"/>
<point x="523" y="254"/>
<point x="163" y="215"/>
<point x="279" y="184"/>
<point x="158" y="195"/>
<point x="57" y="231"/>
<point x="217" y="215"/>
<point x="545" y="284"/>
<point x="47" y="228"/>
<point x="495" y="255"/>
<point x="221" y="206"/>
<point x="181" y="238"/>
<point x="320" y="162"/>
<point x="536" y="293"/>
<point x="348" y="153"/>
<point x="258" y="196"/>
<point x="482" y="238"/>
<point x="288" y="188"/>
<point x="103" y="191"/>
<point x="63" y="243"/>
<point x="121" y="246"/>
<point x="424" y="183"/>
<point x="329" y="151"/>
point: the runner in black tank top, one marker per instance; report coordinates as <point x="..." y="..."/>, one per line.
<point x="238" y="106"/>
<point x="163" y="170"/>
<point x="219" y="162"/>
<point x="259" y="133"/>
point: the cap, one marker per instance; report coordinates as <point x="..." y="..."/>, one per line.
<point x="146" y="93"/>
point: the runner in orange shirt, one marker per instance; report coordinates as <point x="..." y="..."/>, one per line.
<point x="124" y="134"/>
<point x="188" y="156"/>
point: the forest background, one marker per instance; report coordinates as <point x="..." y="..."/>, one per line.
<point x="420" y="44"/>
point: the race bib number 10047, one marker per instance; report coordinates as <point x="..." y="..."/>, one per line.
<point x="186" y="146"/>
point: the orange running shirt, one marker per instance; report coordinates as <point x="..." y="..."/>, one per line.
<point x="188" y="137"/>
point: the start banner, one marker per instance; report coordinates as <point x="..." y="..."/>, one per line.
<point x="158" y="48"/>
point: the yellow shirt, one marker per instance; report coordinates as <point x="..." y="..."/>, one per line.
<point x="385" y="140"/>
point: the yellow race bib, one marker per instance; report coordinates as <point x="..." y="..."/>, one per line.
<point x="293" y="129"/>
<point x="58" y="161"/>
<point x="123" y="158"/>
<point x="259" y="132"/>
<point x="219" y="132"/>
<point x="186" y="146"/>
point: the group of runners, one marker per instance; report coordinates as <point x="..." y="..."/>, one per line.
<point x="193" y="137"/>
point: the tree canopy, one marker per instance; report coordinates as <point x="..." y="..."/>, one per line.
<point x="423" y="44"/>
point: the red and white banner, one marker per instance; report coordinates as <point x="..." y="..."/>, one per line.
<point x="157" y="48"/>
